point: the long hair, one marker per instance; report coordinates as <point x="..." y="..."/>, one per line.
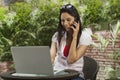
<point x="70" y="9"/>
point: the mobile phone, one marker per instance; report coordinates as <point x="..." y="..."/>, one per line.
<point x="75" y="21"/>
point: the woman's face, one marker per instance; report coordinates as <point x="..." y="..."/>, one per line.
<point x="67" y="21"/>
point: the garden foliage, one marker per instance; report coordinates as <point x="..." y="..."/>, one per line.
<point x="34" y="22"/>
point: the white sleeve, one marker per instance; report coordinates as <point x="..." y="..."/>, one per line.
<point x="85" y="38"/>
<point x="54" y="37"/>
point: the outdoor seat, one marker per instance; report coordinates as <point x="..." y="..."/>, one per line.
<point x="90" y="68"/>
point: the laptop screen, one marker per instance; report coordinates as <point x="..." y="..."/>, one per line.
<point x="32" y="60"/>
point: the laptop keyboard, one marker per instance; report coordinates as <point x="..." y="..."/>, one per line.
<point x="61" y="72"/>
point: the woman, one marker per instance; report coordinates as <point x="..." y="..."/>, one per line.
<point x="69" y="43"/>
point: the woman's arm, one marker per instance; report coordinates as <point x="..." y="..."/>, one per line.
<point x="76" y="53"/>
<point x="53" y="51"/>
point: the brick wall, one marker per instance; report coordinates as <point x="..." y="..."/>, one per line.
<point x="104" y="58"/>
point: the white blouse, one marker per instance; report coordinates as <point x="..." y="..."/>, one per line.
<point x="60" y="62"/>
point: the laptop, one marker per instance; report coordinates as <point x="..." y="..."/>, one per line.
<point x="32" y="61"/>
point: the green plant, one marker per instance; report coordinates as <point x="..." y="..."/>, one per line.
<point x="34" y="22"/>
<point x="114" y="9"/>
<point x="23" y="26"/>
<point x="116" y="54"/>
<point x="113" y="72"/>
<point x="100" y="12"/>
<point x="114" y="30"/>
<point x="92" y="12"/>
<point x="3" y="10"/>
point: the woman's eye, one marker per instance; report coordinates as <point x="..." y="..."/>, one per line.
<point x="68" y="19"/>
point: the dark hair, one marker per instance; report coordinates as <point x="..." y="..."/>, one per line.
<point x="70" y="9"/>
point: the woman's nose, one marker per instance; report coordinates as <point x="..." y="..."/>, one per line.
<point x="65" y="23"/>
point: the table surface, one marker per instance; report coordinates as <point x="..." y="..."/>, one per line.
<point x="71" y="74"/>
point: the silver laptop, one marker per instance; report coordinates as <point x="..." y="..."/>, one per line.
<point x="32" y="60"/>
